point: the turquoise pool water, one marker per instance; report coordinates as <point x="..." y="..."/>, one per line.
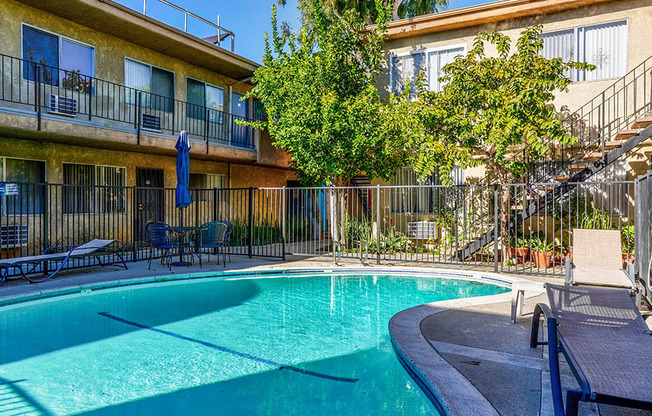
<point x="266" y="345"/>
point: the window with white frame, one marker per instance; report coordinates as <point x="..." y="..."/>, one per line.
<point x="205" y="184"/>
<point x="93" y="189"/>
<point x="408" y="66"/>
<point x="62" y="62"/>
<point x="156" y="83"/>
<point x="603" y="45"/>
<point x="29" y="177"/>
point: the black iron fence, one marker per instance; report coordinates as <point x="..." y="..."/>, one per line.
<point x="421" y="224"/>
<point x="68" y="95"/>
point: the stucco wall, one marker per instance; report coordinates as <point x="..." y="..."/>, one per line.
<point x="55" y="155"/>
<point x="638" y="14"/>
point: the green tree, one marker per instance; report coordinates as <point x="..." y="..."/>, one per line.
<point x="319" y="91"/>
<point x="490" y="106"/>
<point x="366" y="9"/>
<point x="322" y="103"/>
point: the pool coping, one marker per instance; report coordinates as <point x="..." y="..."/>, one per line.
<point x="448" y="390"/>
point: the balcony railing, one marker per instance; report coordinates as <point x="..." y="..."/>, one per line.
<point x="68" y="95"/>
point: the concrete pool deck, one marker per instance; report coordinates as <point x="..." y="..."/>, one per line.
<point x="469" y="346"/>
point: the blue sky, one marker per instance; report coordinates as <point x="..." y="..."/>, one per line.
<point x="249" y="19"/>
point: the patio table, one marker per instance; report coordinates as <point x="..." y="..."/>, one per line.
<point x="185" y="243"/>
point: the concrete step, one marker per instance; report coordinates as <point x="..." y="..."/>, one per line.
<point x="627" y="134"/>
<point x="642" y="122"/>
<point x="561" y="178"/>
<point x="577" y="167"/>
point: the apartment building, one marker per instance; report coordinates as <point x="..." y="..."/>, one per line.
<point x="613" y="35"/>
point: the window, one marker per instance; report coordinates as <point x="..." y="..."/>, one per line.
<point x="202" y="97"/>
<point x="157" y="83"/>
<point x="259" y="110"/>
<point x="413" y="200"/>
<point x="408" y="66"/>
<point x="29" y="175"/>
<point x="205" y="183"/>
<point x="604" y="46"/>
<point x="91" y="189"/>
<point x="63" y="62"/>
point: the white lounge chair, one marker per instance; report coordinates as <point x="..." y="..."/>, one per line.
<point x="93" y="248"/>
<point x="597" y="260"/>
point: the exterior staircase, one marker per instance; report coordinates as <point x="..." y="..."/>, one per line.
<point x="609" y="126"/>
<point x="362" y="187"/>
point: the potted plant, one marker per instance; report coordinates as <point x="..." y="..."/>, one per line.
<point x="519" y="251"/>
<point x="541" y="252"/>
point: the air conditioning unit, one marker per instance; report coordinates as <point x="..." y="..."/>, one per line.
<point x="64" y="106"/>
<point x="13" y="236"/>
<point x="422" y="230"/>
<point x="150" y="122"/>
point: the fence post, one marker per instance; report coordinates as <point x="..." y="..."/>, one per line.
<point x="134" y="222"/>
<point x="90" y="99"/>
<point x="206" y="121"/>
<point x="46" y="225"/>
<point x="250" y="222"/>
<point x="139" y="101"/>
<point x="377" y="224"/>
<point x="495" y="228"/>
<point x="215" y="203"/>
<point x="37" y="95"/>
<point x="283" y="222"/>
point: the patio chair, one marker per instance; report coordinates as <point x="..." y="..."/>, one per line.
<point x="605" y="342"/>
<point x="94" y="248"/>
<point x="212" y="236"/>
<point x="597" y="260"/>
<point x="161" y="237"/>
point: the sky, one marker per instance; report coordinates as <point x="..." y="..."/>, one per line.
<point x="249" y="19"/>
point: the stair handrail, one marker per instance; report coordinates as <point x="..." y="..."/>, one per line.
<point x="605" y="129"/>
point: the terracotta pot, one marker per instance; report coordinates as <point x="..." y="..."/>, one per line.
<point x="542" y="259"/>
<point x="520" y="254"/>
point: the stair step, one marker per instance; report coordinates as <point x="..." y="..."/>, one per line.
<point x="548" y="188"/>
<point x="592" y="157"/>
<point x="642" y="122"/>
<point x="560" y="178"/>
<point x="627" y="134"/>
<point x="611" y="145"/>
<point x="577" y="167"/>
<point x="516" y="207"/>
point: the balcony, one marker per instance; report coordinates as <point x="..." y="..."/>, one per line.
<point x="51" y="95"/>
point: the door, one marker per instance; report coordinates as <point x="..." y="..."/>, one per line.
<point x="150" y="199"/>
<point x="240" y="111"/>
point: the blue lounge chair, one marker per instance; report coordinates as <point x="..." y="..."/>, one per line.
<point x="94" y="248"/>
<point x="605" y="342"/>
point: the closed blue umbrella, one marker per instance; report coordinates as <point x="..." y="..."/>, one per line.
<point x="182" y="196"/>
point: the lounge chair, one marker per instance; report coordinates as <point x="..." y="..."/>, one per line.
<point x="597" y="260"/>
<point x="605" y="341"/>
<point x="94" y="248"/>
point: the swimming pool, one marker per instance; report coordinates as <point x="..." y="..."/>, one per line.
<point x="267" y="344"/>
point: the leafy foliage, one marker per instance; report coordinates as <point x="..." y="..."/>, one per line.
<point x="366" y="9"/>
<point x="490" y="104"/>
<point x="319" y="91"/>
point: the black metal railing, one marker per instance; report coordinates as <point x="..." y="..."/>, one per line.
<point x="596" y="123"/>
<point x="40" y="88"/>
